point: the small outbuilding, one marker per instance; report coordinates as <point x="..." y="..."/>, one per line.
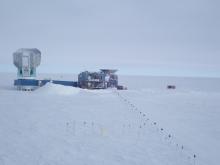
<point x="171" y="87"/>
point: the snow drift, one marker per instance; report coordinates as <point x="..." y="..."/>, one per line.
<point x="56" y="89"/>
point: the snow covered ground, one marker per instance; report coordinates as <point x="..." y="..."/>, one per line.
<point x="146" y="124"/>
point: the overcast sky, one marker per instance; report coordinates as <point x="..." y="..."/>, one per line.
<point x="151" y="37"/>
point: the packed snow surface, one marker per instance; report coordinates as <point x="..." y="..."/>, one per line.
<point x="146" y="124"/>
